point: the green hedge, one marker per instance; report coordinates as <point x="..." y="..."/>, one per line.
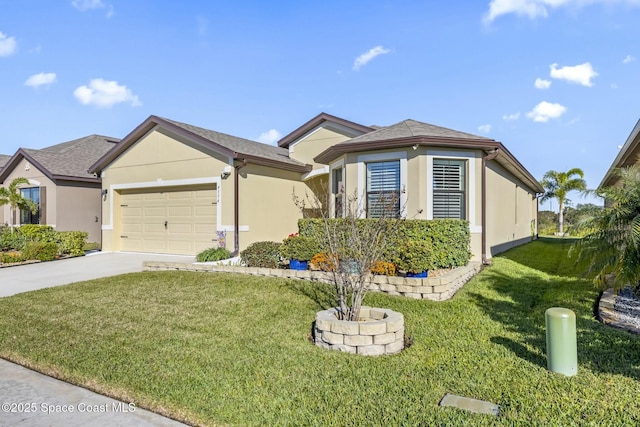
<point x="66" y="242"/>
<point x="262" y="254"/>
<point x="449" y="238"/>
<point x="72" y="242"/>
<point x="43" y="251"/>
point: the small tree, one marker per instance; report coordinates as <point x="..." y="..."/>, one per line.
<point x="558" y="184"/>
<point x="12" y="196"/>
<point x="353" y="245"/>
<point x="612" y="246"/>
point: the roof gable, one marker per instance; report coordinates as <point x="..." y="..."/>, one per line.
<point x="323" y="119"/>
<point x="228" y="145"/>
<point x="66" y="161"/>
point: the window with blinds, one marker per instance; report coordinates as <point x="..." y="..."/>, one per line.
<point x="449" y="185"/>
<point x="383" y="189"/>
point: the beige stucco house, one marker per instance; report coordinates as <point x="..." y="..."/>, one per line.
<point x="67" y="195"/>
<point x="629" y="155"/>
<point x="170" y="187"/>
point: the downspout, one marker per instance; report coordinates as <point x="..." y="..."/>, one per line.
<point x="236" y="207"/>
<point x="485" y="159"/>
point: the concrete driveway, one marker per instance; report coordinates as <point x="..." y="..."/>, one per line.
<point x="32" y="399"/>
<point x="24" y="278"/>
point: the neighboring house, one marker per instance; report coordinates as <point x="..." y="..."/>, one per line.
<point x="67" y="195"/>
<point x="628" y="155"/>
<point x="175" y="188"/>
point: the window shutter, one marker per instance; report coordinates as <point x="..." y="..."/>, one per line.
<point x="43" y="205"/>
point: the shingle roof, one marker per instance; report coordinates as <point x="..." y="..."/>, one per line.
<point x="69" y="160"/>
<point x="3" y="160"/>
<point x="240" y="145"/>
<point x="411" y="128"/>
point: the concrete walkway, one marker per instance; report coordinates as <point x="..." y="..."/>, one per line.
<point x="32" y="399"/>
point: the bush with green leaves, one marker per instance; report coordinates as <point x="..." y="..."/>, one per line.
<point x="414" y="256"/>
<point x="38" y="233"/>
<point x="213" y="254"/>
<point x="299" y="247"/>
<point x="11" y="257"/>
<point x="71" y="242"/>
<point x="262" y="254"/>
<point x="449" y="238"/>
<point x="11" y="240"/>
<point x="42" y="251"/>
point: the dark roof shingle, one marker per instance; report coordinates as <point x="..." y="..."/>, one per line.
<point x="69" y="159"/>
<point x="240" y="145"/>
<point x="411" y="128"/>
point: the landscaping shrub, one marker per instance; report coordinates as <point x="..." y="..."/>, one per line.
<point x="298" y="247"/>
<point x="449" y="238"/>
<point x="37" y="233"/>
<point x="415" y="256"/>
<point x="322" y="262"/>
<point x="262" y="254"/>
<point x="384" y="268"/>
<point x="72" y="242"/>
<point x="213" y="254"/>
<point x="10" y="257"/>
<point x="43" y="251"/>
<point x="11" y="240"/>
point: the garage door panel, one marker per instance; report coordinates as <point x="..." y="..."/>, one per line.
<point x="190" y="215"/>
<point x="153" y="227"/>
<point x="180" y="211"/>
<point x="180" y="228"/>
<point x="131" y="245"/>
<point x="153" y="196"/>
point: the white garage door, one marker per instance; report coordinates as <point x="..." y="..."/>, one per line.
<point x="170" y="220"/>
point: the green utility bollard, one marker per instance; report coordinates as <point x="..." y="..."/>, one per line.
<point x="562" y="352"/>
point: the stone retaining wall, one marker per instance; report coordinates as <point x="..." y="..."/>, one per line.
<point x="438" y="288"/>
<point x="380" y="332"/>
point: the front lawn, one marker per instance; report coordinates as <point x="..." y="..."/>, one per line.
<point x="232" y="349"/>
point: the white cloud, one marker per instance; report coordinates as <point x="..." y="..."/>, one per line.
<point x="7" y="45"/>
<point x="270" y="137"/>
<point x="363" y="59"/>
<point x="83" y="5"/>
<point x="105" y="93"/>
<point x="545" y="111"/>
<point x="540" y="8"/>
<point x="484" y="128"/>
<point x="511" y="117"/>
<point x="41" y="79"/>
<point x="580" y="74"/>
<point x="542" y="83"/>
<point x="628" y="59"/>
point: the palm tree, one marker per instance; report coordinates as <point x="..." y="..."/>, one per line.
<point x="558" y="185"/>
<point x="613" y="245"/>
<point x="12" y="196"/>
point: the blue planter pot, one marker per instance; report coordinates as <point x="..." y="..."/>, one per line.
<point x="422" y="274"/>
<point x="296" y="264"/>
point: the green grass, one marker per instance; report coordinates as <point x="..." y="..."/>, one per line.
<point x="229" y="349"/>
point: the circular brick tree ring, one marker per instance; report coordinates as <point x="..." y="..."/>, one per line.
<point x="380" y="331"/>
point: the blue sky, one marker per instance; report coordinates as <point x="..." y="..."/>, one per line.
<point x="557" y="81"/>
